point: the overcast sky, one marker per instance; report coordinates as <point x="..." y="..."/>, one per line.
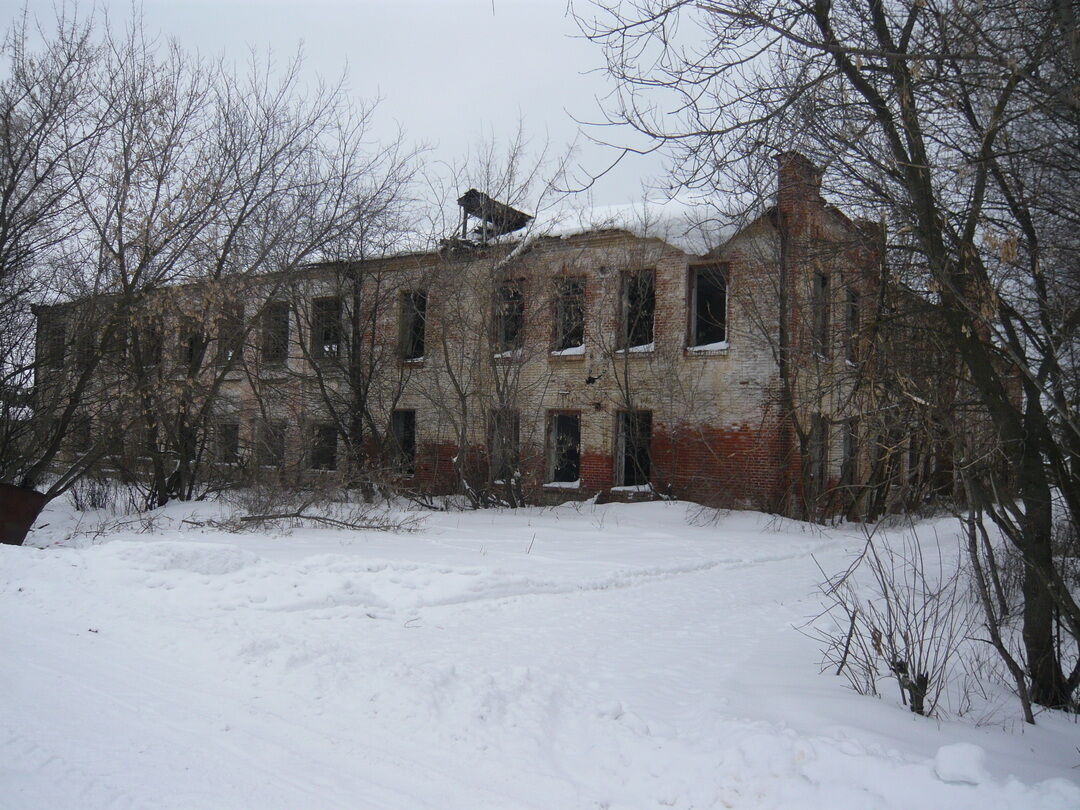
<point x="448" y="71"/>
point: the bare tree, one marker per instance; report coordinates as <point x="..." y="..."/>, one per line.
<point x="49" y="130"/>
<point x="955" y="124"/>
<point x="166" y="191"/>
<point x="486" y="315"/>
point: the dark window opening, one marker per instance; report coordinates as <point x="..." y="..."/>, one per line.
<point x="504" y="433"/>
<point x="509" y="316"/>
<point x="116" y="344"/>
<point x="230" y="331"/>
<point x="413" y="320"/>
<point x="708" y="306"/>
<point x="634" y="451"/>
<point x="85" y="347"/>
<point x="81" y="435"/>
<point x="324" y="447"/>
<point x="851" y="325"/>
<point x="270" y="450"/>
<point x="228" y="442"/>
<point x="820" y="313"/>
<point x="51" y="338"/>
<point x="325" y="327"/>
<point x="146" y="442"/>
<point x="151" y="346"/>
<point x="403" y="431"/>
<point x="275" y="333"/>
<point x="570" y="314"/>
<point x="638" y="308"/>
<point x="818" y="455"/>
<point x="192" y="345"/>
<point x="564" y="462"/>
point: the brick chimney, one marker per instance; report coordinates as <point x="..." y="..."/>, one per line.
<point x="798" y="181"/>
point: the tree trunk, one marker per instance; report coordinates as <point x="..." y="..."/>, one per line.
<point x="1048" y="685"/>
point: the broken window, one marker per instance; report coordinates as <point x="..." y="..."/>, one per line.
<point x="324" y="442"/>
<point x="851" y="324"/>
<point x="708" y="306"/>
<point x="569" y="314"/>
<point x="270" y="450"/>
<point x="275" y="333"/>
<point x="325" y="327"/>
<point x="509" y="316"/>
<point x="51" y="338"/>
<point x="504" y="432"/>
<point x="230" y="331"/>
<point x="228" y="442"/>
<point x="820" y="314"/>
<point x="403" y="431"/>
<point x="634" y="456"/>
<point x="413" y="321"/>
<point x="564" y="447"/>
<point x="638" y="308"/>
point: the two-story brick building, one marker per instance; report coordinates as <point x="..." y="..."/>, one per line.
<point x="604" y="359"/>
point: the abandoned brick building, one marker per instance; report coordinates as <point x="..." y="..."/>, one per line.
<point x="567" y="363"/>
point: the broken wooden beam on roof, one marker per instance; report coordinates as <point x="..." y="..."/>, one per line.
<point x="498" y="218"/>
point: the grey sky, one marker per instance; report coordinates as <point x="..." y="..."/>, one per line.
<point x="449" y="71"/>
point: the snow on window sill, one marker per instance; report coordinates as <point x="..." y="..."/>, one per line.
<point x="633" y="488"/>
<point x="719" y="348"/>
<point x="513" y="354"/>
<point x="563" y="484"/>
<point x="573" y="351"/>
<point x="413" y="361"/>
<point x="644" y="348"/>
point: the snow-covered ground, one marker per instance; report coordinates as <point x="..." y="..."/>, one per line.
<point x="618" y="656"/>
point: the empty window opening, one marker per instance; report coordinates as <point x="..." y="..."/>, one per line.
<point x="403" y="432"/>
<point x="325" y="328"/>
<point x="638" y="308"/>
<point x="324" y="447"/>
<point x="413" y="322"/>
<point x="81" y="435"/>
<point x="230" y="329"/>
<point x="114" y="344"/>
<point x="509" y="316"/>
<point x="504" y="433"/>
<point x="708" y="306"/>
<point x="192" y="345"/>
<point x="51" y="338"/>
<point x="569" y="314"/>
<point x="275" y="333"/>
<point x="270" y="451"/>
<point x="564" y="448"/>
<point x="228" y="442"/>
<point x="820" y="313"/>
<point x="151" y="346"/>
<point x="634" y="456"/>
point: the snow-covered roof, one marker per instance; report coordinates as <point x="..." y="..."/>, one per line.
<point x="692" y="227"/>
